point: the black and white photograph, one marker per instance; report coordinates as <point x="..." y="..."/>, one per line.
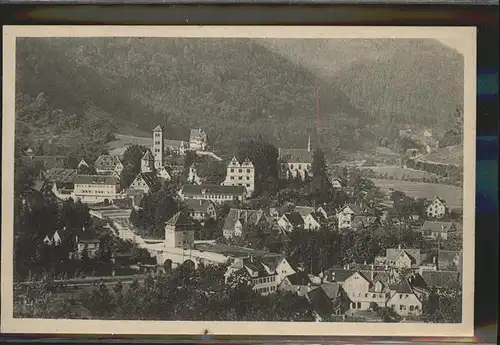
<point x="287" y="178"/>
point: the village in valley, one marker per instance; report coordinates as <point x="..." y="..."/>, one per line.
<point x="262" y="223"/>
<point x="238" y="179"/>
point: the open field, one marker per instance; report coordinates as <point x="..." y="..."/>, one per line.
<point x="452" y="194"/>
<point x="399" y="173"/>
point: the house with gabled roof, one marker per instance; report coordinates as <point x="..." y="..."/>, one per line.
<point x="144" y="182"/>
<point x="200" y="210"/>
<point x="436" y="208"/>
<point x="364" y="222"/>
<point x="437" y="230"/>
<point x="328" y="211"/>
<point x="298" y="283"/>
<point x="402" y="258"/>
<point x="364" y="290"/>
<point x="328" y="299"/>
<point x="83" y="163"/>
<point x="291" y="221"/>
<point x="346" y="214"/>
<point x="148" y="162"/>
<point x="408" y="295"/>
<point x="313" y="221"/>
<point x="238" y="220"/>
<point x="264" y="273"/>
<point x="108" y="164"/>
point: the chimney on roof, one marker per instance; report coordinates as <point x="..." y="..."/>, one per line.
<point x="399" y="246"/>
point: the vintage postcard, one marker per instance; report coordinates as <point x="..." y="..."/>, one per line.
<point x="238" y="180"/>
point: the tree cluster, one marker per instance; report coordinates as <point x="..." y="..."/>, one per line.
<point x="157" y="207"/>
<point x="199" y="295"/>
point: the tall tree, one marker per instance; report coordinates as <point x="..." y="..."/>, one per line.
<point x="264" y="157"/>
<point x="131" y="164"/>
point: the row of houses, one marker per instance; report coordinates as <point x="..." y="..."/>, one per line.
<point x="347" y="217"/>
<point x="343" y="290"/>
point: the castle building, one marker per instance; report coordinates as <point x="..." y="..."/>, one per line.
<point x="198" y="140"/>
<point x="147" y="162"/>
<point x="158" y="146"/>
<point x="179" y="231"/>
<point x="241" y="175"/>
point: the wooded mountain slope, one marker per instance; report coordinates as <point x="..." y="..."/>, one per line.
<point x="233" y="88"/>
<point x="396" y="81"/>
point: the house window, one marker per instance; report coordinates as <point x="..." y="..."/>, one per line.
<point x="232" y="170"/>
<point x="402" y="307"/>
<point x="400" y="296"/>
<point x="393" y="306"/>
<point x="248" y="185"/>
<point x="353" y="305"/>
<point x="412" y="308"/>
<point x="248" y="177"/>
<point x="291" y="166"/>
<point x="359" y="305"/>
<point x="300" y="167"/>
<point x="374" y="296"/>
<point x="240" y="170"/>
<point x="232" y="177"/>
<point x="240" y="177"/>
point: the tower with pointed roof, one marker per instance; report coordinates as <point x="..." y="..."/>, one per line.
<point x="241" y="175"/>
<point x="158" y="147"/>
<point x="147" y="162"/>
<point x="179" y="231"/>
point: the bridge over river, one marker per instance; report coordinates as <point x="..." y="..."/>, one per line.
<point x="204" y="252"/>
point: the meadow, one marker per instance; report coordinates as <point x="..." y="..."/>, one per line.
<point x="452" y="194"/>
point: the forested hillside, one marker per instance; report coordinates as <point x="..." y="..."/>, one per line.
<point x="233" y="88"/>
<point x="396" y="82"/>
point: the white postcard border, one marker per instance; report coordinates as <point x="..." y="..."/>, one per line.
<point x="461" y="38"/>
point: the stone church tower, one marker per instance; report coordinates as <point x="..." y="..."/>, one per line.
<point x="158" y="147"/>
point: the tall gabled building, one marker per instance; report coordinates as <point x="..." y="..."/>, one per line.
<point x="241" y="175"/>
